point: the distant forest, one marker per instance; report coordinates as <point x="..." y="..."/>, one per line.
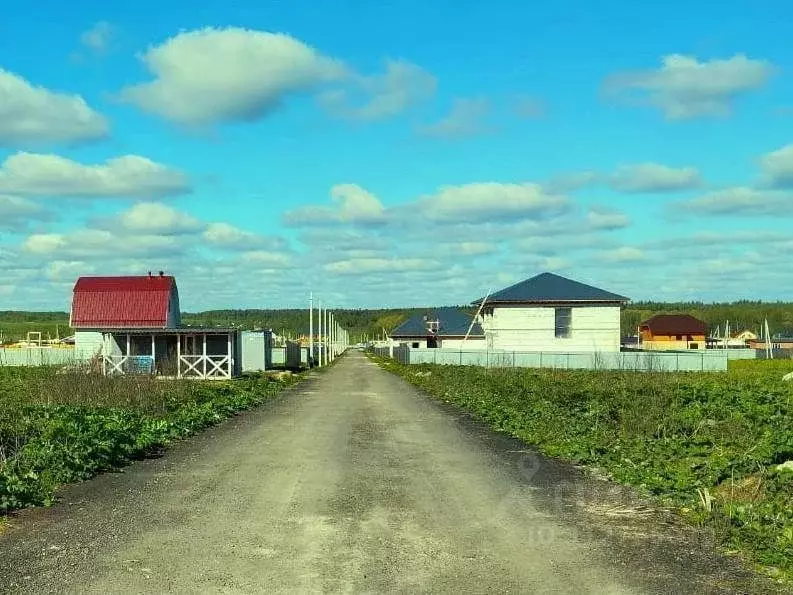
<point x="372" y="323"/>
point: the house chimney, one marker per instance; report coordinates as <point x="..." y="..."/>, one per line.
<point x="161" y="273"/>
<point x="149" y="273"/>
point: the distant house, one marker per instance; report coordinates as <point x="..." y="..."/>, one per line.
<point x="780" y="340"/>
<point x="442" y="327"/>
<point x="132" y="324"/>
<point x="554" y="314"/>
<point x="673" y="332"/>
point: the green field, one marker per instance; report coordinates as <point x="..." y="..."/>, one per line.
<point x="706" y="444"/>
<point x="58" y="428"/>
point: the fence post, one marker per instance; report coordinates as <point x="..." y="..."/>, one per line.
<point x="487" y="358"/>
<point x="461" y="357"/>
<point x="568" y="361"/>
<point x="541" y="359"/>
<point x="513" y="359"/>
<point x="677" y="360"/>
<point x="702" y="357"/>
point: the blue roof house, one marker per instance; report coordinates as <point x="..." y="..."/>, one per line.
<point x="550" y="313"/>
<point x="440" y="327"/>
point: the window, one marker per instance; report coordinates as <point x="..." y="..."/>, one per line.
<point x="415" y="345"/>
<point x="563" y="319"/>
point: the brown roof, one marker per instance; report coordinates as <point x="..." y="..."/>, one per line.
<point x="675" y="324"/>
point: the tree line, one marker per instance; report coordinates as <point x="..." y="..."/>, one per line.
<point x="372" y="323"/>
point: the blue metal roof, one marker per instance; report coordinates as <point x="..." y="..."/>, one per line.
<point x="548" y="287"/>
<point x="453" y="323"/>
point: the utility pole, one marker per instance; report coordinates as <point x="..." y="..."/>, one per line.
<point x="311" y="330"/>
<point x="325" y="336"/>
<point x="319" y="338"/>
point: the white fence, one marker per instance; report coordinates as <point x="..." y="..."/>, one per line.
<point x="38" y="356"/>
<point x="706" y="361"/>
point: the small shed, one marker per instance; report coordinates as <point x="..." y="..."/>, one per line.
<point x="131" y="324"/>
<point x="257" y="349"/>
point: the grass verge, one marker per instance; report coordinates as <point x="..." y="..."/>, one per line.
<point x="710" y="445"/>
<point x="58" y="428"/>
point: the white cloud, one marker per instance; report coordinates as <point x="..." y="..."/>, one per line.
<point x="68" y="270"/>
<point x="157" y="218"/>
<point x="472" y="248"/>
<point x="654" y="177"/>
<point x="608" y="219"/>
<point x="576" y="239"/>
<point x="267" y="259"/>
<point x="466" y="118"/>
<point x="354" y="205"/>
<point x="225" y="235"/>
<point x="34" y="115"/>
<point x="529" y="108"/>
<point x="98" y="37"/>
<point x="571" y="182"/>
<point x="684" y="87"/>
<point x="224" y="75"/>
<point x="99" y="244"/>
<point x="740" y="200"/>
<point x="325" y="241"/>
<point x="622" y="254"/>
<point x="17" y="212"/>
<point x="490" y="201"/>
<point x="777" y="167"/>
<point x="129" y="176"/>
<point x="361" y="266"/>
<point x="401" y="86"/>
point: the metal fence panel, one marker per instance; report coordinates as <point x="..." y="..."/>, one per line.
<point x="39" y="356"/>
<point x="631" y="360"/>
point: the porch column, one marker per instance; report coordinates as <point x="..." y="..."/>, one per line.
<point x="204" y="362"/>
<point x="153" y="358"/>
<point x="231" y="361"/>
<point x="178" y="356"/>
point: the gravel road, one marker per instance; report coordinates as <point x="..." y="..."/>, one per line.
<point x="354" y="481"/>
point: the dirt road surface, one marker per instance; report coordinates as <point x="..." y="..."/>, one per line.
<point x="355" y="482"/>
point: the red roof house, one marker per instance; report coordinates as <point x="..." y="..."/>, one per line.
<point x="125" y="302"/>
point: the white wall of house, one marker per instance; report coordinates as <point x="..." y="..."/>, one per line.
<point x="87" y="344"/>
<point x="471" y="344"/>
<point x="413" y="342"/>
<point x="421" y="343"/>
<point x="532" y="328"/>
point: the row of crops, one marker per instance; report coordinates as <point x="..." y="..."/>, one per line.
<point x="713" y="446"/>
<point x="57" y="428"/>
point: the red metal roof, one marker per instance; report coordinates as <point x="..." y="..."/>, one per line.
<point x="123" y="302"/>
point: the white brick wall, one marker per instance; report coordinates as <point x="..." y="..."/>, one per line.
<point x="532" y="328"/>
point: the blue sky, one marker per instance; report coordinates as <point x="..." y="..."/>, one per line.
<point x="394" y="155"/>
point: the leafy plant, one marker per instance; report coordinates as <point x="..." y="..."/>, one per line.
<point x="60" y="428"/>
